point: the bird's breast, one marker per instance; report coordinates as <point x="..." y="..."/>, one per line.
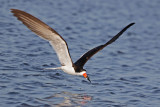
<point x="69" y="70"/>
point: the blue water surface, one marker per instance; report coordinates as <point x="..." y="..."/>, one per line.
<point x="124" y="74"/>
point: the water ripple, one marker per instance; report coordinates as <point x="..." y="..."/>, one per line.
<point x="124" y="74"/>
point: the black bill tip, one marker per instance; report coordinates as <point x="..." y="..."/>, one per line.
<point x="88" y="79"/>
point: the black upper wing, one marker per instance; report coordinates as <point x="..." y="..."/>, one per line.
<point x="80" y="62"/>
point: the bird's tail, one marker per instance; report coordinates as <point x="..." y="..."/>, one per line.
<point x="54" y="68"/>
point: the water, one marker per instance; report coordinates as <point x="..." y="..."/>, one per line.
<point x="124" y="74"/>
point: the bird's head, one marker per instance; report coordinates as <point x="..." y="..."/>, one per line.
<point x="81" y="72"/>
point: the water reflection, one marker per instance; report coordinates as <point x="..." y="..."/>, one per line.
<point x="66" y="99"/>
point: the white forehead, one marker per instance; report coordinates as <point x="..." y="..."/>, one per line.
<point x="81" y="73"/>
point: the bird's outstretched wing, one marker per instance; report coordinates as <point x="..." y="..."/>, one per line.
<point x="81" y="61"/>
<point x="47" y="33"/>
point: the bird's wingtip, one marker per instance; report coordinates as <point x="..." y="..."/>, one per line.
<point x="132" y="23"/>
<point x="12" y="9"/>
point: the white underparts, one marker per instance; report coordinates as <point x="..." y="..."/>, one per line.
<point x="68" y="70"/>
<point x="54" y="68"/>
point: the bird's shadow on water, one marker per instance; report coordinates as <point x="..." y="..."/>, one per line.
<point x="66" y="99"/>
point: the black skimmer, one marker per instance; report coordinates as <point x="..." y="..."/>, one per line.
<point x="60" y="45"/>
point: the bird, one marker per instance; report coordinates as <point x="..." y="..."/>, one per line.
<point x="60" y="45"/>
